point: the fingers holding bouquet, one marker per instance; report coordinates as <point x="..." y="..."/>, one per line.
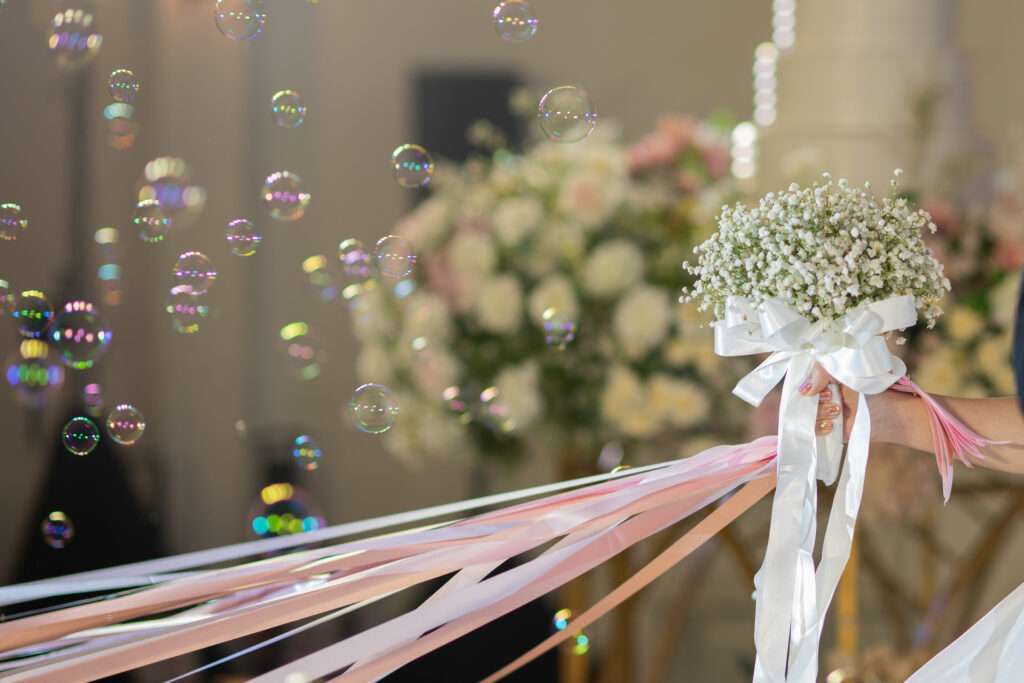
<point x="819" y="382"/>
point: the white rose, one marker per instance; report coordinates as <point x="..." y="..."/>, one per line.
<point x="555" y="291"/>
<point x="439" y="434"/>
<point x="625" y="403"/>
<point x="371" y="320"/>
<point x="426" y="225"/>
<point x="993" y="358"/>
<point x="940" y="372"/>
<point x="499" y="304"/>
<point x="964" y="324"/>
<point x="679" y="402"/>
<point x="612" y="267"/>
<point x="641" y="320"/>
<point x="472" y="257"/>
<point x="590" y="198"/>
<point x="426" y="315"/>
<point x="518" y="394"/>
<point x="373" y="364"/>
<point x="433" y="370"/>
<point x="516" y="218"/>
<point x="558" y="242"/>
<point x="1004" y="299"/>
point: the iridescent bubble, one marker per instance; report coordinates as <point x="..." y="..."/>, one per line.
<point x="80" y="436"/>
<point x="288" y="109"/>
<point x="122" y="127"/>
<point x="395" y="257"/>
<point x="611" y="456"/>
<point x="373" y="408"/>
<point x="566" y="114"/>
<point x="80" y="334"/>
<point x="152" y="222"/>
<point x="168" y="181"/>
<point x="243" y="238"/>
<point x="494" y="413"/>
<point x="57" y="529"/>
<point x="561" y="618"/>
<point x="303" y="350"/>
<point x="12" y="221"/>
<point x="193" y="269"/>
<point x="581" y="645"/>
<point x="6" y="298"/>
<point x="186" y="308"/>
<point x="123" y="85"/>
<point x="125" y="424"/>
<point x="92" y="397"/>
<point x="33" y="313"/>
<point x="240" y="19"/>
<point x="32" y="374"/>
<point x="459" y="403"/>
<point x="284" y="509"/>
<point x="559" y="329"/>
<point x="306" y="453"/>
<point x="355" y="261"/>
<point x="283" y="196"/>
<point x="514" y="21"/>
<point x="412" y="165"/>
<point x="73" y="39"/>
<point x="316" y="269"/>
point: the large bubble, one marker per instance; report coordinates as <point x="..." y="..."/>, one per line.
<point x="80" y="334"/>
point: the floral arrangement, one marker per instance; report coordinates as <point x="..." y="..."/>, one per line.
<point x="823" y="250"/>
<point x="543" y="310"/>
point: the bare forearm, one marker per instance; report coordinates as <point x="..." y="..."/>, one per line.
<point x="903" y="419"/>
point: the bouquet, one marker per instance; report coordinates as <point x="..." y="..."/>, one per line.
<point x="543" y="313"/>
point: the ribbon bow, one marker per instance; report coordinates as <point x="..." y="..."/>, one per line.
<point x="792" y="595"/>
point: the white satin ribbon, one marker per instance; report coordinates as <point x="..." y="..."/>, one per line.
<point x="792" y="595"/>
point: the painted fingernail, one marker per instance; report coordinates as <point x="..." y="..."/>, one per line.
<point x="825" y="426"/>
<point x="832" y="409"/>
<point x="805" y="386"/>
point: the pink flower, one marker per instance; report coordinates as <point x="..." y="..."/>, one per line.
<point x="678" y="128"/>
<point x="652" y="151"/>
<point x="688" y="181"/>
<point x="1006" y="217"/>
<point x="945" y="215"/>
<point x="440" y="277"/>
<point x="1010" y="254"/>
<point x="717" y="160"/>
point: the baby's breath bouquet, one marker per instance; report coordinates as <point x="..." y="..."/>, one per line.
<point x="823" y="250"/>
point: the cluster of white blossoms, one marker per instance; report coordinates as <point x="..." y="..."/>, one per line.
<point x="824" y="250"/>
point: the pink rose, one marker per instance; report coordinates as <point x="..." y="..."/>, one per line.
<point x="678" y="128"/>
<point x="1006" y="217"/>
<point x="440" y="277"/>
<point x="652" y="151"/>
<point x="1010" y="254"/>
<point x="717" y="159"/>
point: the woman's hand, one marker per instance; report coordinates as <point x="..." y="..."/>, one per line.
<point x="887" y="408"/>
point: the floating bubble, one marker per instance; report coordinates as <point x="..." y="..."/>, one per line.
<point x="581" y="645"/>
<point x="306" y="453"/>
<point x="373" y="408"/>
<point x="193" y="269"/>
<point x="123" y="85"/>
<point x="561" y="618"/>
<point x="12" y="221"/>
<point x="303" y="350"/>
<point x="243" y="238"/>
<point x="33" y="313"/>
<point x="122" y="127"/>
<point x="32" y="374"/>
<point x="566" y="114"/>
<point x="73" y="39"/>
<point x="186" y="308"/>
<point x="514" y="21"/>
<point x="57" y="529"/>
<point x="288" y="109"/>
<point x="92" y="397"/>
<point x="6" y="298"/>
<point x="168" y="180"/>
<point x="412" y="165"/>
<point x="395" y="257"/>
<point x="284" y="509"/>
<point x="125" y="424"/>
<point x="316" y="269"/>
<point x="152" y="222"/>
<point x="355" y="261"/>
<point x="283" y="196"/>
<point x="459" y="403"/>
<point x="559" y="329"/>
<point x="240" y="19"/>
<point x="611" y="456"/>
<point x="493" y="411"/>
<point x="80" y="436"/>
<point x="80" y="334"/>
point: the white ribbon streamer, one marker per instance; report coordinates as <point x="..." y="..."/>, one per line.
<point x="792" y="595"/>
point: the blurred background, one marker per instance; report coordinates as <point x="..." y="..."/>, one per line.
<point x="697" y="104"/>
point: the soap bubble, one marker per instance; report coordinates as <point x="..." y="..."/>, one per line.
<point x="186" y="308"/>
<point x="152" y="222"/>
<point x="316" y="269"/>
<point x="283" y="196"/>
<point x="581" y="644"/>
<point x="12" y="221"/>
<point x="123" y="85"/>
<point x="412" y="165"/>
<point x="80" y="436"/>
<point x="288" y="109"/>
<point x="57" y="529"/>
<point x="559" y="329"/>
<point x="243" y="238"/>
<point x="284" y="509"/>
<point x="73" y="40"/>
<point x="459" y="403"/>
<point x="561" y="618"/>
<point x="303" y="350"/>
<point x="125" y="424"/>
<point x="514" y="21"/>
<point x="373" y="408"/>
<point x="566" y="114"/>
<point x="33" y="313"/>
<point x="121" y="125"/>
<point x="33" y="374"/>
<point x="6" y="298"/>
<point x="80" y="334"/>
<point x="494" y="413"/>
<point x="194" y="270"/>
<point x="395" y="257"/>
<point x="92" y="397"/>
<point x="306" y="453"/>
<point x="168" y="181"/>
<point x="355" y="261"/>
<point x="240" y="19"/>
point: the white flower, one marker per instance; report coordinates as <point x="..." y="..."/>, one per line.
<point x="516" y="218"/>
<point x="590" y="198"/>
<point x="371" y="320"/>
<point x="472" y="257"/>
<point x="373" y="364"/>
<point x="964" y="324"/>
<point x="499" y="304"/>
<point x="641" y="320"/>
<point x="555" y="291"/>
<point x="519" y="395"/>
<point x="1004" y="299"/>
<point x="679" y="402"/>
<point x="624" y="403"/>
<point x="433" y="370"/>
<point x="426" y="315"/>
<point x="426" y="225"/>
<point x="993" y="359"/>
<point x="941" y="371"/>
<point x="612" y="267"/>
<point x="558" y="243"/>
